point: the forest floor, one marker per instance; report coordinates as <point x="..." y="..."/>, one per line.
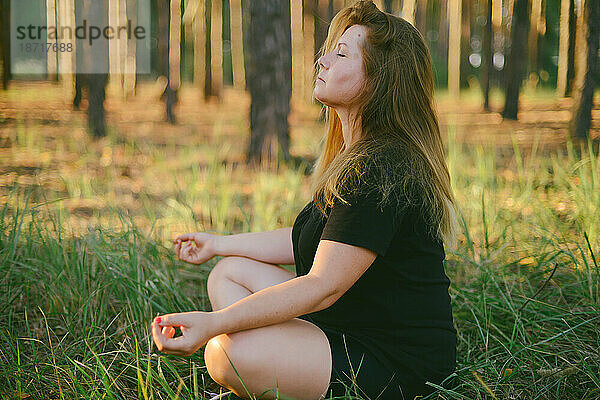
<point x="86" y="257"/>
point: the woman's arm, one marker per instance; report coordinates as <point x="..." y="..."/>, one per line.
<point x="273" y="247"/>
<point x="336" y="268"/>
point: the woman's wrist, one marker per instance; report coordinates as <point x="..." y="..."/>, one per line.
<point x="221" y="245"/>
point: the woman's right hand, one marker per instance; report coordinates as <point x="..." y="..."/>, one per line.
<point x="196" y="248"/>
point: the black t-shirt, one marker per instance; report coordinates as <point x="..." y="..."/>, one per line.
<point x="399" y="308"/>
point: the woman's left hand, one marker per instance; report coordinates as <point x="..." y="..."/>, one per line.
<point x="196" y="329"/>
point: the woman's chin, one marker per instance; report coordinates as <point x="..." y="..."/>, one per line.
<point x="320" y="99"/>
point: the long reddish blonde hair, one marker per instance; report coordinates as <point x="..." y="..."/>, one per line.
<point x="400" y="130"/>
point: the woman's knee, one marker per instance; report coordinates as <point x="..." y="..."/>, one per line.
<point x="218" y="357"/>
<point x="224" y="269"/>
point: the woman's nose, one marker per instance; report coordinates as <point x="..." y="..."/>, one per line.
<point x="322" y="62"/>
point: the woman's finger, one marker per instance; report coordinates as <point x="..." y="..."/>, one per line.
<point x="187" y="249"/>
<point x="185" y="237"/>
<point x="168" y="331"/>
<point x="157" y="336"/>
<point x="176" y="346"/>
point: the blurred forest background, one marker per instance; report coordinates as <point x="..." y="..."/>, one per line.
<point x="100" y="171"/>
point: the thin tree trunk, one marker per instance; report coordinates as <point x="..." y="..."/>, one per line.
<point x="96" y="82"/>
<point x="488" y="32"/>
<point x="131" y="62"/>
<point x="408" y="10"/>
<point x="465" y="42"/>
<point x="66" y="16"/>
<point x="216" y="59"/>
<point x="389" y="6"/>
<point x="454" y="17"/>
<point x="269" y="80"/>
<point x="200" y="48"/>
<point x="173" y="51"/>
<point x="297" y="47"/>
<point x="534" y="35"/>
<point x="91" y="65"/>
<point x="5" y="41"/>
<point x="169" y="94"/>
<point x="443" y="28"/>
<point x="308" y="33"/>
<point x="582" y="109"/>
<point x="518" y="53"/>
<point x="52" y="59"/>
<point x="566" y="52"/>
<point x="237" y="45"/>
<point x="208" y="86"/>
<point x="421" y="17"/>
<point x="321" y="18"/>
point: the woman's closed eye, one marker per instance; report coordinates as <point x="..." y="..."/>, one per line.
<point x="340" y="55"/>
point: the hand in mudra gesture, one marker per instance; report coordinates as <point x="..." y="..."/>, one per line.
<point x="195" y="248"/>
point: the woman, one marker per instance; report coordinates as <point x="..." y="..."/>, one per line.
<point x="370" y="299"/>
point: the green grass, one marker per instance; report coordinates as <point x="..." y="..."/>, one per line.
<point x="77" y="293"/>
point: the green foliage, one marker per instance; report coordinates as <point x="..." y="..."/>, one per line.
<point x="525" y="280"/>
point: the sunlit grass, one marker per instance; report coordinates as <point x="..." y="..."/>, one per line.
<point x="86" y="262"/>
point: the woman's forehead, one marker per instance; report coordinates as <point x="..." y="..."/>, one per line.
<point x="352" y="36"/>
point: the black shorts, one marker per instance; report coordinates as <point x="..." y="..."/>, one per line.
<point x="372" y="379"/>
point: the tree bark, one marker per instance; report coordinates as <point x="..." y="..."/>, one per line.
<point x="169" y="95"/>
<point x="5" y="41"/>
<point x="421" y="17"/>
<point x="465" y="42"/>
<point x="237" y="45"/>
<point x="92" y="65"/>
<point x="566" y="52"/>
<point x="408" y="10"/>
<point x="454" y="34"/>
<point x="208" y="49"/>
<point x="516" y="63"/>
<point x="581" y="116"/>
<point x="308" y="32"/>
<point x="199" y="48"/>
<point x="488" y="32"/>
<point x="534" y="35"/>
<point x="389" y="6"/>
<point x="321" y="18"/>
<point x="216" y="58"/>
<point x="270" y="83"/>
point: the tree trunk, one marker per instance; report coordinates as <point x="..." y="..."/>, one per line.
<point x="516" y="63"/>
<point x="408" y="10"/>
<point x="465" y="42"/>
<point x="169" y="95"/>
<point x="534" y="35"/>
<point x="321" y="18"/>
<point x="566" y="52"/>
<point x="454" y="18"/>
<point x="200" y="48"/>
<point x="581" y="116"/>
<point x="308" y="33"/>
<point x="208" y="49"/>
<point x="131" y="62"/>
<point x="216" y="57"/>
<point x="488" y="32"/>
<point x="443" y="28"/>
<point x="421" y="17"/>
<point x="389" y="6"/>
<point x="5" y="41"/>
<point x="92" y="65"/>
<point x="97" y="82"/>
<point x="237" y="45"/>
<point x="270" y="82"/>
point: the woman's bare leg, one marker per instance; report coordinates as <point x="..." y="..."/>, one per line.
<point x="234" y="278"/>
<point x="294" y="355"/>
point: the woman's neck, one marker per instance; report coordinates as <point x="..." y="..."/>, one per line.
<point x="350" y="135"/>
